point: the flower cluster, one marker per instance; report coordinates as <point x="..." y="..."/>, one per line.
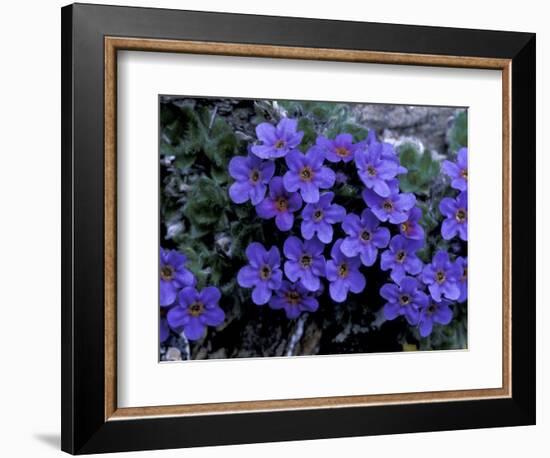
<point x="185" y="309"/>
<point x="329" y="247"/>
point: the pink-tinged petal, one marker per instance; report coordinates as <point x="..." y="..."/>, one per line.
<point x="212" y="317"/>
<point x="261" y="294"/>
<point x="194" y="330"/>
<point x="284" y="221"/>
<point x="325" y="178"/>
<point x="239" y="192"/>
<point x="266" y="133"/>
<point x="210" y="296"/>
<point x="338" y="290"/>
<point x="247" y="277"/>
<point x="239" y="168"/>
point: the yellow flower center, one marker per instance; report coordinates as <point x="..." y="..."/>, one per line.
<point x="460" y="215"/>
<point x="279" y="144"/>
<point x="196" y="308"/>
<point x="254" y="176"/>
<point x="306" y="174"/>
<point x="167" y="273"/>
<point x="265" y="272"/>
<point x="306" y="260"/>
<point x="342" y="151"/>
<point x="281" y="204"/>
<point x="292" y="297"/>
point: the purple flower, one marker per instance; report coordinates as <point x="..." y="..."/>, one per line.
<point x="280" y="204"/>
<point x="307" y="174"/>
<point x="341" y="148"/>
<point x="251" y="178"/>
<point x="306" y="262"/>
<point x="364" y="237"/>
<point x="277" y="141"/>
<point x="442" y="276"/>
<point x="387" y="151"/>
<point x="458" y="171"/>
<point x="462" y="264"/>
<point x="393" y="208"/>
<point x="318" y="218"/>
<point x="195" y="310"/>
<point x="375" y="171"/>
<point x="263" y="272"/>
<point x="434" y="312"/>
<point x="294" y="299"/>
<point x="456" y="214"/>
<point x="404" y="299"/>
<point x="173" y="275"/>
<point x="343" y="274"/>
<point x="411" y="228"/>
<point x="401" y="258"/>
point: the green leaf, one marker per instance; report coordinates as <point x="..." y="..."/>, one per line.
<point x="458" y="134"/>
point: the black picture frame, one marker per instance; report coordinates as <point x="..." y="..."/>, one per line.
<point x="84" y="427"/>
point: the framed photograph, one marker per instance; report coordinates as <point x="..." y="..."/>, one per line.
<point x="281" y="229"/>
